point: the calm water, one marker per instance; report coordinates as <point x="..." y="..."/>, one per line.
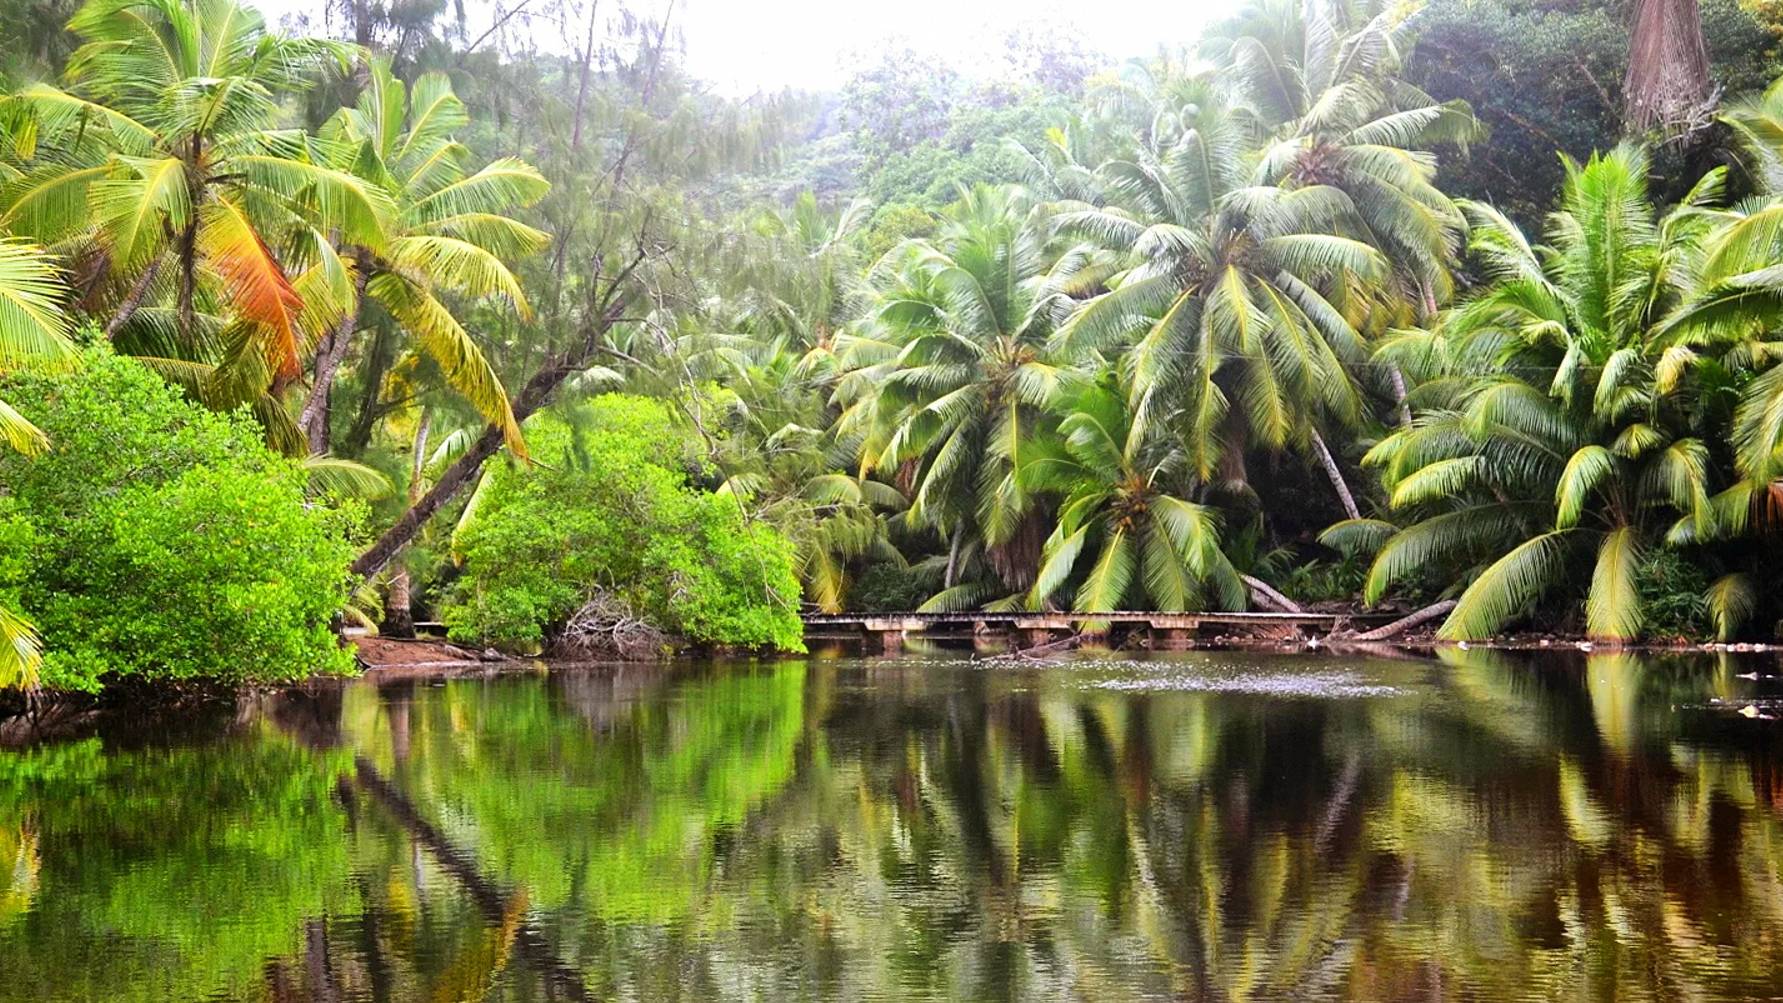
<point x="1201" y="826"/>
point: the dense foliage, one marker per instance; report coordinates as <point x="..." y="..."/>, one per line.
<point x="155" y="539"/>
<point x="1214" y="328"/>
<point x="608" y="514"/>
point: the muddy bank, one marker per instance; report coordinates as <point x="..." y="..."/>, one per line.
<point x="397" y="653"/>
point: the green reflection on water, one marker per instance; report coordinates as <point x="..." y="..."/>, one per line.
<point x="1208" y="826"/>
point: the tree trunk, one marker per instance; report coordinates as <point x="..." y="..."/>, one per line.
<point x="582" y="81"/>
<point x="495" y="903"/>
<point x="1336" y="475"/>
<point x="1406" y="623"/>
<point x="313" y="419"/>
<point x="188" y="252"/>
<point x="370" y="406"/>
<point x="1268" y="596"/>
<point x="127" y="309"/>
<point x="399" y="617"/>
<point x="1400" y="396"/>
<point x="535" y="395"/>
<point x="953" y="556"/>
<point x="1668" y="67"/>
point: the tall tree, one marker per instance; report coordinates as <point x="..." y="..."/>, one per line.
<point x="450" y="231"/>
<point x="166" y="154"/>
<point x="1566" y="431"/>
<point x="33" y="329"/>
<point x="950" y="378"/>
<point x="1667" y="86"/>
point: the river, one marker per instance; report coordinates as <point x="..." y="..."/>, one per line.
<point x="1207" y="825"/>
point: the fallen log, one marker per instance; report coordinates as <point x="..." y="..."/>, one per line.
<point x="1405" y="623"/>
<point x="1264" y="595"/>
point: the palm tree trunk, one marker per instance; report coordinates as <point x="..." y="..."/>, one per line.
<point x="370" y="406"/>
<point x="127" y="309"/>
<point x="399" y="617"/>
<point x="188" y="251"/>
<point x="1400" y="396"/>
<point x="1668" y="66"/>
<point x="1265" y="595"/>
<point x="953" y="555"/>
<point x="1336" y="475"/>
<point x="534" y="395"/>
<point x="313" y="419"/>
<point x="1405" y="623"/>
<point x="561" y="981"/>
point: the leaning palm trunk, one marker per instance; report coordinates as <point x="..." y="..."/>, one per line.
<point x="1337" y="482"/>
<point x="132" y="301"/>
<point x="1263" y="594"/>
<point x="607" y="310"/>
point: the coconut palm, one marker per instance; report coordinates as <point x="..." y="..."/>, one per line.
<point x="1738" y="297"/>
<point x="949" y="380"/>
<point x="1563" y="430"/>
<point x="1151" y="547"/>
<point x="1321" y="79"/>
<point x="33" y="329"/>
<point x="449" y="231"/>
<point x="165" y="156"/>
<point x="1224" y="292"/>
<point x="833" y="519"/>
<point x="795" y="287"/>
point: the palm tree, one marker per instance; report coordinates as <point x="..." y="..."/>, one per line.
<point x="33" y="329"/>
<point x="1324" y="86"/>
<point x="948" y="381"/>
<point x="449" y="231"/>
<point x="1225" y="291"/>
<point x="1560" y="429"/>
<point x="1738" y="296"/>
<point x="833" y="519"/>
<point x="794" y="288"/>
<point x="1153" y="549"/>
<point x="164" y="154"/>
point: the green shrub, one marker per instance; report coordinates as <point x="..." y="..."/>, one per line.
<point x="164" y="541"/>
<point x="608" y="509"/>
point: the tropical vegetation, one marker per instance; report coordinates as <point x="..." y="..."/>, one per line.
<point x="1263" y="320"/>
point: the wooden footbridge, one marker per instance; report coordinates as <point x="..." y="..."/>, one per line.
<point x="886" y="632"/>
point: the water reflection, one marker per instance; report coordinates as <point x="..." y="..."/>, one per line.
<point x="1203" y="827"/>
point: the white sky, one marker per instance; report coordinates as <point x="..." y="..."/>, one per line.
<point x="742" y="46"/>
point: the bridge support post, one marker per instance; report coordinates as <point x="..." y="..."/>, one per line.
<point x="884" y="642"/>
<point x="885" y="635"/>
<point x="988" y="640"/>
<point x="1172" y="638"/>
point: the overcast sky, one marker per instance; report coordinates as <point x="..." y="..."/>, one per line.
<point x="743" y="46"/>
<point x="768" y="44"/>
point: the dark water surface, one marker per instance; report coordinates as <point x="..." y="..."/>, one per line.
<point x="1197" y="826"/>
